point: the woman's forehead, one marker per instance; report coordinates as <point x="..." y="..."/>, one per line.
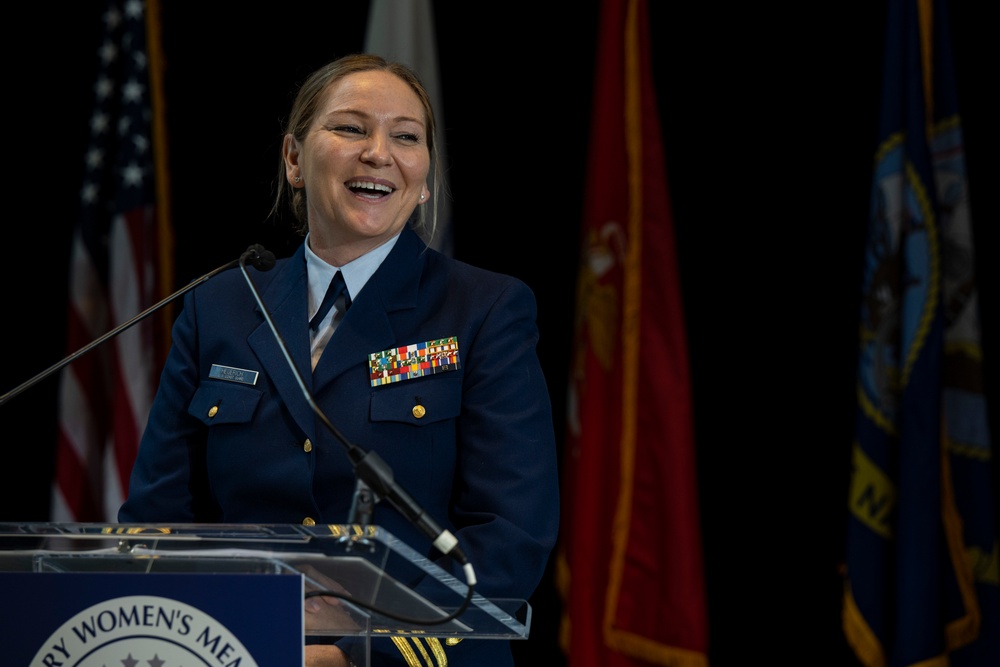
<point x="374" y="91"/>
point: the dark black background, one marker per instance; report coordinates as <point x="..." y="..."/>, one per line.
<point x="769" y="118"/>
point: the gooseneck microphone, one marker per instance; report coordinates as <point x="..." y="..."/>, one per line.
<point x="262" y="263"/>
<point x="369" y="467"/>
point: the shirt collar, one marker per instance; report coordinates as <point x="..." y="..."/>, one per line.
<point x="356" y="272"/>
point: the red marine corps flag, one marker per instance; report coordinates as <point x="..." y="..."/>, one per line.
<point x="120" y="262"/>
<point x="630" y="566"/>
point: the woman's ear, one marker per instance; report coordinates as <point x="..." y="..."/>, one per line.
<point x="290" y="153"/>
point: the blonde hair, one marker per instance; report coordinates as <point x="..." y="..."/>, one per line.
<point x="304" y="109"/>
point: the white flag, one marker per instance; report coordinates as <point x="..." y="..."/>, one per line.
<point x="403" y="31"/>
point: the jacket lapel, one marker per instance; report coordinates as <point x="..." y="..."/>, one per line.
<point x="285" y="297"/>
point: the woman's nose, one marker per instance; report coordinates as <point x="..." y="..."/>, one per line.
<point x="377" y="151"/>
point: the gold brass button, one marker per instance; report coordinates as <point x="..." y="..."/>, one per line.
<point x="308" y="521"/>
<point x="214" y="410"/>
<point x="307" y="446"/>
<point x="418" y="411"/>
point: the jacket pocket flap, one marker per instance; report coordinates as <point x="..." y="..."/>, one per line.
<point x="418" y="402"/>
<point x="224" y="403"/>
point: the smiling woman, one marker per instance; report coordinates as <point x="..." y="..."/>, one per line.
<point x="428" y="361"/>
<point x="358" y="169"/>
<point x="755" y="213"/>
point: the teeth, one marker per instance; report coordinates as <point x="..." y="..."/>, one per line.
<point x="367" y="185"/>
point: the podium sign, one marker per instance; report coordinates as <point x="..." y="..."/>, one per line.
<point x="226" y="595"/>
<point x="103" y="619"/>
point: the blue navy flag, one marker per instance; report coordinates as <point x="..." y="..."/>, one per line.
<point x="921" y="553"/>
<point x="120" y="266"/>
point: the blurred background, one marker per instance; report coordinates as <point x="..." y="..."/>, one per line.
<point x="769" y="117"/>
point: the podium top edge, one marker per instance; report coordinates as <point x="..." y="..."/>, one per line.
<point x="190" y="531"/>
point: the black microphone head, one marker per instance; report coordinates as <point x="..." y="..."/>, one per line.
<point x="259" y="258"/>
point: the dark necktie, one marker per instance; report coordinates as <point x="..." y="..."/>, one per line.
<point x="337" y="295"/>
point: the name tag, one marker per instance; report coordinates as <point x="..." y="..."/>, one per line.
<point x="230" y="374"/>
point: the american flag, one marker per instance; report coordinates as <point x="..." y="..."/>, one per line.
<point x="120" y="266"/>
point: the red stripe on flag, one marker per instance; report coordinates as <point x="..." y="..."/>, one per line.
<point x="135" y="363"/>
<point x="82" y="413"/>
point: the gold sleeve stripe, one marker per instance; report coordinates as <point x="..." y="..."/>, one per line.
<point x="416" y="654"/>
<point x="438" y="651"/>
<point x="418" y="645"/>
<point x="404" y="647"/>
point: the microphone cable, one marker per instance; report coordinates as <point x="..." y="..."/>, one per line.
<point x="368" y="465"/>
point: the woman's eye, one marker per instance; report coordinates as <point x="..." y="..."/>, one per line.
<point x="408" y="137"/>
<point x="351" y="129"/>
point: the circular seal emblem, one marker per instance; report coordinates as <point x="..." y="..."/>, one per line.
<point x="142" y="631"/>
<point x="900" y="284"/>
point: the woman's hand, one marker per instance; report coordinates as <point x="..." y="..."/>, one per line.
<point x="326" y="614"/>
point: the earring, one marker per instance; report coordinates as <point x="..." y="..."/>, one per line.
<point x="421" y="197"/>
<point x="298" y="179"/>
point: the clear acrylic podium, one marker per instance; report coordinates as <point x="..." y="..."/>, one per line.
<point x="384" y="587"/>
